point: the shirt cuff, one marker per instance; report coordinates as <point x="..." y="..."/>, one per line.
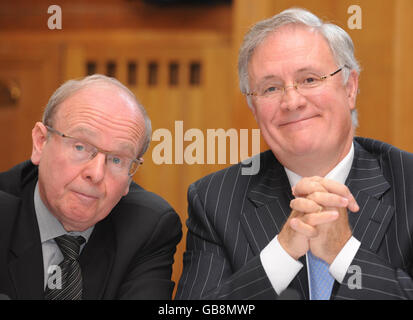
<point x="342" y="262"/>
<point x="279" y="266"/>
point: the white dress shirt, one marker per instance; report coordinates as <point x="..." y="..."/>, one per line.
<point x="281" y="268"/>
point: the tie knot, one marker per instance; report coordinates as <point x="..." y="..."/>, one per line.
<point x="70" y="245"/>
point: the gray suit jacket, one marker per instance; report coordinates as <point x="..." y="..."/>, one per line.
<point x="232" y="217"/>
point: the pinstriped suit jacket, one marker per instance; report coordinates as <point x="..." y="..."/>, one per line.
<point x="233" y="217"/>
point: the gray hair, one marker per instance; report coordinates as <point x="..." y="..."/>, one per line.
<point x="338" y="40"/>
<point x="70" y="87"/>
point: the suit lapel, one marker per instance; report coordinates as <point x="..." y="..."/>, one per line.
<point x="26" y="263"/>
<point x="270" y="196"/>
<point x="96" y="260"/>
<point x="270" y="193"/>
<point x="367" y="183"/>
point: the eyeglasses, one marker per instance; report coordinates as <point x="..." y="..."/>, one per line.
<point x="305" y="84"/>
<point x="79" y="151"/>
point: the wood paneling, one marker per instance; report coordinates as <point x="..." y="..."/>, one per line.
<point x="81" y="15"/>
<point x="402" y="80"/>
<point x="34" y="72"/>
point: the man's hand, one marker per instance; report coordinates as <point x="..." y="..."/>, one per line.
<point x="300" y="228"/>
<point x="331" y="196"/>
<point x="328" y="201"/>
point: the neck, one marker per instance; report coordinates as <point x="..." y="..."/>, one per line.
<point x="315" y="164"/>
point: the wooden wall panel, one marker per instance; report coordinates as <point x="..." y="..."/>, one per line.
<point x="402" y="84"/>
<point x="81" y="15"/>
<point x="32" y="69"/>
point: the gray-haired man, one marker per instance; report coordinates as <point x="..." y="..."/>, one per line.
<point x="327" y="216"/>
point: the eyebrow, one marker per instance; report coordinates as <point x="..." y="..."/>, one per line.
<point x="307" y="69"/>
<point x="129" y="147"/>
<point x="122" y="145"/>
<point x="82" y="130"/>
<point x="301" y="70"/>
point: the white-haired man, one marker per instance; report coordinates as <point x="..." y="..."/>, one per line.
<point x="327" y="216"/>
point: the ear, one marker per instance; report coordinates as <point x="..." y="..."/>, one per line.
<point x="252" y="108"/>
<point x="352" y="89"/>
<point x="39" y="137"/>
<point x="127" y="187"/>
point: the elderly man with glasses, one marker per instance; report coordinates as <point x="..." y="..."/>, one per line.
<point x="73" y="225"/>
<point x="328" y="216"/>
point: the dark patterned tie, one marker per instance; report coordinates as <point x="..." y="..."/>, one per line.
<point x="71" y="281"/>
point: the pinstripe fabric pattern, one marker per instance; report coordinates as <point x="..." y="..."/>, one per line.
<point x="232" y="217"/>
<point x="71" y="274"/>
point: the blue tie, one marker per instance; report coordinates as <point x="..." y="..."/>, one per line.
<point x="321" y="281"/>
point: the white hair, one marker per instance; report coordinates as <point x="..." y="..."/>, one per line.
<point x="337" y="39"/>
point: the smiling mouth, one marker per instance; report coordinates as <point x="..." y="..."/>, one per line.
<point x="297" y="121"/>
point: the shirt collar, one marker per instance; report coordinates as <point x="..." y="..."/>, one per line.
<point x="49" y="226"/>
<point x="339" y="173"/>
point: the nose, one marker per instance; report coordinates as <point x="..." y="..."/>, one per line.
<point x="292" y="99"/>
<point x="95" y="169"/>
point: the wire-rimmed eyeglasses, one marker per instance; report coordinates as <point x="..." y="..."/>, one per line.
<point x="305" y="83"/>
<point x="79" y="151"/>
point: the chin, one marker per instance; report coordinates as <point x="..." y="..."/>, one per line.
<point x="302" y="146"/>
<point x="305" y="149"/>
<point x="76" y="219"/>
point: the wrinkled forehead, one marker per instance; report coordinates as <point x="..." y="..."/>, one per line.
<point x="104" y="109"/>
<point x="103" y="98"/>
<point x="290" y="44"/>
<point x="297" y="35"/>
